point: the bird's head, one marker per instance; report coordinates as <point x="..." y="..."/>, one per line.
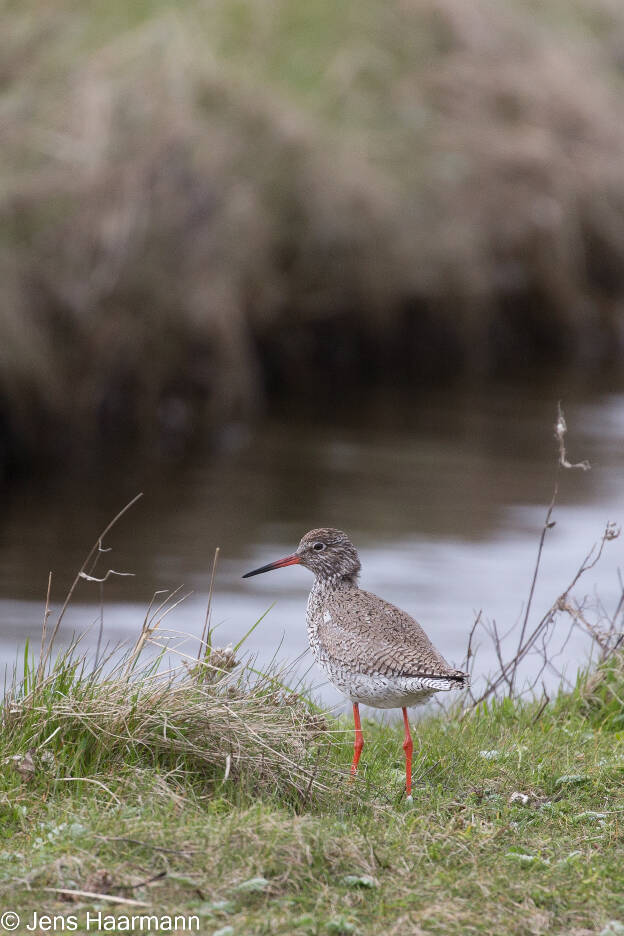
<point x="328" y="553"/>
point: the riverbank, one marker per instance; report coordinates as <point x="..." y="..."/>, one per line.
<point x="247" y="822"/>
<point x="205" y="209"/>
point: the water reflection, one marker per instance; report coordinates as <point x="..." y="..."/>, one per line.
<point x="444" y="499"/>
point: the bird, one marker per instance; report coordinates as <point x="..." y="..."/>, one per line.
<point x="372" y="652"/>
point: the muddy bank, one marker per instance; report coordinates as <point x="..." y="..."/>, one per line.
<point x="205" y="210"/>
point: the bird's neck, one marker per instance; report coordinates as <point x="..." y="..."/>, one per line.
<point x="338" y="582"/>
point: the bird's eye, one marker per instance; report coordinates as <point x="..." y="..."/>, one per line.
<point x="319" y="546"/>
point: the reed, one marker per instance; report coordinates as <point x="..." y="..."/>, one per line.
<point x="201" y="207"/>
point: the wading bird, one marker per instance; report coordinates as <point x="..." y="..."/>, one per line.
<point x="372" y="651"/>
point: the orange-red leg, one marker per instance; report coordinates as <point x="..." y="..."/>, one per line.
<point x="359" y="738"/>
<point x="408" y="747"/>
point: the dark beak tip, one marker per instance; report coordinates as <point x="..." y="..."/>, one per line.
<point x="288" y="560"/>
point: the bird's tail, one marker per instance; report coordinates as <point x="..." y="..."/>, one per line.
<point x="457" y="679"/>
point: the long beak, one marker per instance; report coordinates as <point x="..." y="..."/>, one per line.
<point x="279" y="564"/>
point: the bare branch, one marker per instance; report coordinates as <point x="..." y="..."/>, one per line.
<point x="537" y="640"/>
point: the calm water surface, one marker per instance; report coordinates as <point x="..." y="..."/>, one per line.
<point x="444" y="497"/>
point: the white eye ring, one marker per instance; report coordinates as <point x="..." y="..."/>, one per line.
<point x="319" y="546"/>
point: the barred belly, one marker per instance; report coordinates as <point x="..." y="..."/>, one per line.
<point x="383" y="691"/>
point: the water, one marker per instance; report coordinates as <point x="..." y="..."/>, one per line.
<point x="444" y="497"/>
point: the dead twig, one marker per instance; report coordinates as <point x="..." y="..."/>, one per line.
<point x="529" y="638"/>
<point x="558" y="606"/>
<point x="94" y="551"/>
<point x="184" y="853"/>
<point x="110" y="898"/>
<point x="149" y="880"/>
<point x="46" y="615"/>
<point x="105" y="578"/>
<point x="548" y="525"/>
<point x="560" y="431"/>
<point x="546" y="700"/>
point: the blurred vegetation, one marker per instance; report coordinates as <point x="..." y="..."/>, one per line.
<point x="202" y="204"/>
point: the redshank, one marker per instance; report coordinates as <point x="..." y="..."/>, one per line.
<point x="372" y="651"/>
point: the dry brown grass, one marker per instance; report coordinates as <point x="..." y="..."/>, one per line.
<point x="185" y="219"/>
<point x="217" y="729"/>
<point x="206" y="717"/>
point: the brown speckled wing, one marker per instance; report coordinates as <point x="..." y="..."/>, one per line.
<point x="370" y="635"/>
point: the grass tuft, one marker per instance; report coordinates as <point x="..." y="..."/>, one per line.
<point x="221" y="723"/>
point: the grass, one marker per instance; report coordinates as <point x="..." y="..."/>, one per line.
<point x="516" y="825"/>
<point x="202" y="203"/>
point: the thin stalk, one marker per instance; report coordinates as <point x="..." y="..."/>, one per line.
<point x="94" y="549"/>
<point x="204" y="646"/>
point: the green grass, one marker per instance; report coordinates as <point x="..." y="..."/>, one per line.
<point x="332" y="857"/>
